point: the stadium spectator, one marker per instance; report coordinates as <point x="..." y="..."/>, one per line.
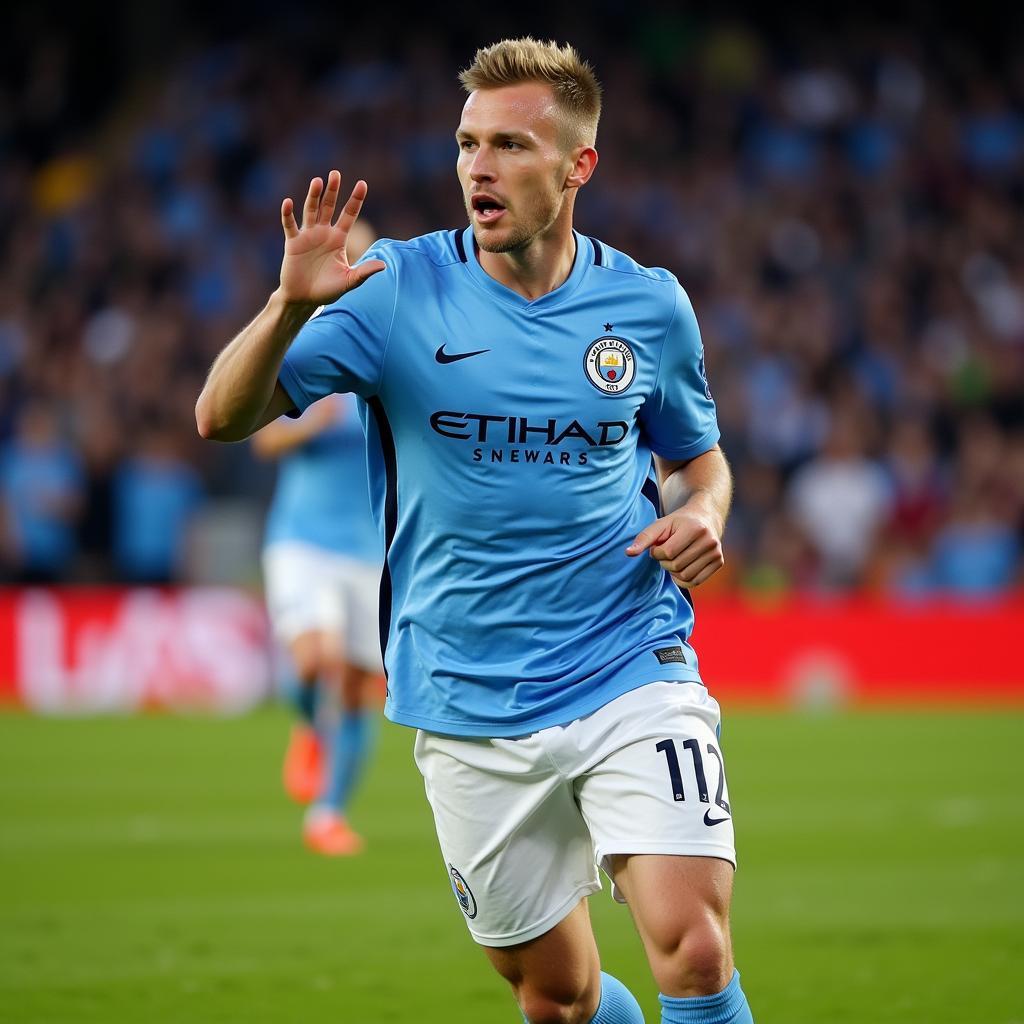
<point x="155" y="494"/>
<point x="975" y="553"/>
<point x="41" y="490"/>
<point x="918" y="484"/>
<point x="840" y="499"/>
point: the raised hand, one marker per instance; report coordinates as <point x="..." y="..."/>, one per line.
<point x="315" y="269"/>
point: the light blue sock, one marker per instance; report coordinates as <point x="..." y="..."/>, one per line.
<point x="726" y="1007"/>
<point x="617" y="1006"/>
<point x="351" y="742"/>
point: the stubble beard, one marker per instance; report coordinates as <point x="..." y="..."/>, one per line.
<point x="539" y="219"/>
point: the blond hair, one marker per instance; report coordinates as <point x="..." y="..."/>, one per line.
<point x="577" y="91"/>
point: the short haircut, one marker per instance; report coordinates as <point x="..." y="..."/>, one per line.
<point x="512" y="61"/>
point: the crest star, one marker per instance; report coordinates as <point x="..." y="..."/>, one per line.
<point x="609" y="327"/>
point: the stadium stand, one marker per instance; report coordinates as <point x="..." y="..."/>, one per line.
<point x="848" y="220"/>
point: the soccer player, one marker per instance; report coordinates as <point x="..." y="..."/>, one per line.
<point x="516" y="377"/>
<point x="321" y="566"/>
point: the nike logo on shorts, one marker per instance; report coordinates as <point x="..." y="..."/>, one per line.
<point x="453" y="357"/>
<point x="713" y="821"/>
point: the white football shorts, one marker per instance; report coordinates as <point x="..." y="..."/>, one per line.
<point x="524" y="823"/>
<point x="310" y="588"/>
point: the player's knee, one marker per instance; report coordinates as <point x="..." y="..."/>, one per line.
<point x="306" y="659"/>
<point x="539" y="1009"/>
<point x="697" y="962"/>
<point x="557" y="1006"/>
<point x="307" y="671"/>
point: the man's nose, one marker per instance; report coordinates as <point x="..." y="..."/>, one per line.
<point x="481" y="169"/>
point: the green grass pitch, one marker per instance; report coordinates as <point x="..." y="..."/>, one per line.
<point x="150" y="870"/>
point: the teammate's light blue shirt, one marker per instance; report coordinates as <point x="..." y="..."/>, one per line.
<point x="322" y="496"/>
<point x="510" y="464"/>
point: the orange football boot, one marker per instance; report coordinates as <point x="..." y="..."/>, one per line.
<point x="303" y="769"/>
<point x="328" y="833"/>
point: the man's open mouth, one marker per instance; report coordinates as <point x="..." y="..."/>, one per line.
<point x="486" y="207"/>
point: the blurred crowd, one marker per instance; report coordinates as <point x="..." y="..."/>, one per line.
<point x="846" y="212"/>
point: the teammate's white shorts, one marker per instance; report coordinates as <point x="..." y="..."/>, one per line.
<point x="524" y="823"/>
<point x="310" y="588"/>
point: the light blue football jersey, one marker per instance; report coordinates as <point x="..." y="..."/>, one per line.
<point x="322" y="496"/>
<point x="510" y="445"/>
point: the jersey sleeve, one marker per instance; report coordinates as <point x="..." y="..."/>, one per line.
<point x="341" y="348"/>
<point x="679" y="417"/>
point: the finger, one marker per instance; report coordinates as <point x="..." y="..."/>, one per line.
<point x="689" y="571"/>
<point x="656" y="533"/>
<point x="690" y="536"/>
<point x="686" y="550"/>
<point x="330" y="199"/>
<point x="701" y="577"/>
<point x="350" y="211"/>
<point x="359" y="274"/>
<point x="681" y="563"/>
<point x="309" y="211"/>
<point x="291" y="229"/>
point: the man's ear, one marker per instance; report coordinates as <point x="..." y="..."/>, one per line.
<point x="585" y="160"/>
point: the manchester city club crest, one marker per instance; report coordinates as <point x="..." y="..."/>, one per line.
<point x="463" y="893"/>
<point x="610" y="365"/>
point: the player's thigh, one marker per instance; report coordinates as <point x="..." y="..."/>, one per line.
<point x="675" y="898"/>
<point x="297" y="581"/>
<point x="516" y="850"/>
<point x="359" y="586"/>
<point x="657" y="783"/>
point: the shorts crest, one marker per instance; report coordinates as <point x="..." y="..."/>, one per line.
<point x="463" y="893"/>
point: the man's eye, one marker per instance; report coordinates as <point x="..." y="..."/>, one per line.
<point x="509" y="144"/>
<point x="465" y="144"/>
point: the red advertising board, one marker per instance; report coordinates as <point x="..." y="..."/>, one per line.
<point x="862" y="650"/>
<point x="80" y="650"/>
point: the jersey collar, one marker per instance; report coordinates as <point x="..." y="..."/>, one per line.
<point x="581" y="264"/>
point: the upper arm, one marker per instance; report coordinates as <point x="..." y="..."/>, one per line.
<point x="666" y="467"/>
<point x="679" y="416"/>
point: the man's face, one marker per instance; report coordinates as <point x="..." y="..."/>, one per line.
<point x="512" y="164"/>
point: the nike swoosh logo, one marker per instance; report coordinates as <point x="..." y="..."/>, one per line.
<point x="453" y="357"/>
<point x="713" y="821"/>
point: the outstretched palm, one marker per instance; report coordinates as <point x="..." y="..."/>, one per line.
<point x="315" y="268"/>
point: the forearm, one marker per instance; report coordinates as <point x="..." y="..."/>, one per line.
<point x="241" y="381"/>
<point x="704" y="484"/>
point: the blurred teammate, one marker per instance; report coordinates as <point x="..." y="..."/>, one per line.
<point x="321" y="566"/>
<point x="518" y="377"/>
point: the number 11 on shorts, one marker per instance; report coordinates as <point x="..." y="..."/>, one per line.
<point x="668" y="748"/>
